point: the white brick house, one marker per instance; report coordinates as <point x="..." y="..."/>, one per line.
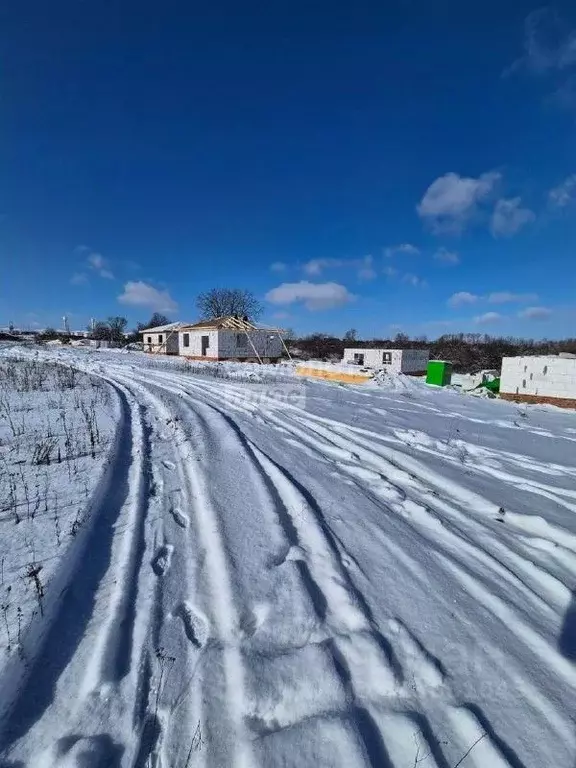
<point x="162" y="340"/>
<point x="393" y="360"/>
<point x="221" y="338"/>
<point x="229" y="338"/>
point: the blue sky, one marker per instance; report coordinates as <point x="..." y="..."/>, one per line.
<point x="383" y="166"/>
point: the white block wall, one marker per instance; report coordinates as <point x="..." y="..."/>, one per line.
<point x="156" y="345"/>
<point x="542" y="376"/>
<point x="195" y="348"/>
<point x="224" y="343"/>
<point x="403" y="360"/>
<point x="236" y="344"/>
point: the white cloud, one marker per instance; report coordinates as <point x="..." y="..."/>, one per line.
<point x="535" y="313"/>
<point x="314" y="296"/>
<point x="278" y="266"/>
<point x="548" y="43"/>
<point x="96" y="262"/>
<point x="507" y="297"/>
<point x="281" y="315"/>
<point x="461" y="298"/>
<point x="315" y="267"/>
<point x="414" y="280"/>
<point x="79" y="278"/>
<point x="564" y="193"/>
<point x="406" y="248"/>
<point x="366" y="269"/>
<point x="447" y="257"/>
<point x="364" y="266"/>
<point x="488" y="317"/>
<point x="390" y="271"/>
<point x="140" y="294"/>
<point x="451" y="201"/>
<point x="509" y="217"/>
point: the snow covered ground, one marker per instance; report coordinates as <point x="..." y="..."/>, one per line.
<point x="282" y="572"/>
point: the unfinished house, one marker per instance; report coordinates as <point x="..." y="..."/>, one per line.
<point x="162" y="340"/>
<point x="394" y="360"/>
<point x="540" y="379"/>
<point x="230" y="338"/>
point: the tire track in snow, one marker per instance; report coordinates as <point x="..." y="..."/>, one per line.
<point x="454" y="523"/>
<point x="411" y="475"/>
<point x="225" y="619"/>
<point x="77" y="651"/>
<point x="338" y="602"/>
<point x="344" y="671"/>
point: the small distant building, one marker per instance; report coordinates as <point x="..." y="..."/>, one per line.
<point x="163" y="339"/>
<point x="221" y="338"/>
<point x="394" y="360"/>
<point x="540" y="379"/>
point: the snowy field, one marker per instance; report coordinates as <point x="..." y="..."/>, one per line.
<point x="270" y="571"/>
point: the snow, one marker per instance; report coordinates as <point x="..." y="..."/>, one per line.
<point x="274" y="571"/>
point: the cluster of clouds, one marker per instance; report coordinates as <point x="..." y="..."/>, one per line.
<point x="532" y="312"/>
<point x="453" y="202"/>
<point x="316" y="296"/>
<point x="550" y="53"/>
<point x="94" y="264"/>
<point x="136" y="293"/>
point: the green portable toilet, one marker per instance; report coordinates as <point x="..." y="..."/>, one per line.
<point x="439" y="372"/>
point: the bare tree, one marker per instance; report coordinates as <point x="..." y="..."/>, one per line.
<point x="350" y="335"/>
<point x="110" y="330"/>
<point x="117" y="327"/>
<point x="218" y="302"/>
<point x="155" y="321"/>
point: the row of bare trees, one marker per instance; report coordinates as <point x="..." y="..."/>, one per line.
<point x="467" y="352"/>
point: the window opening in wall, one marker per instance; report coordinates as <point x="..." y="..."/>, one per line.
<point x="545" y="371"/>
<point x="242" y="340"/>
<point x="517" y="390"/>
<point x="358" y="358"/>
<point x="524" y="383"/>
<point x="149" y="339"/>
<point x="186" y="339"/>
<point x="531" y="376"/>
<point x="160" y="338"/>
<point x="387" y="358"/>
<point x="525" y="368"/>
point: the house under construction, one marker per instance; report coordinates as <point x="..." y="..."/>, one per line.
<point x="220" y="338"/>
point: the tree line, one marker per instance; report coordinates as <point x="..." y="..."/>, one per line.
<point x="468" y="352"/>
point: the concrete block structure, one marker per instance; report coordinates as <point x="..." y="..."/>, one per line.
<point x="230" y="338"/>
<point x="221" y="338"/>
<point x="394" y="360"/>
<point x="540" y="379"/>
<point x="162" y="340"/>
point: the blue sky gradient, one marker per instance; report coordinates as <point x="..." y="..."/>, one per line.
<point x="384" y="166"/>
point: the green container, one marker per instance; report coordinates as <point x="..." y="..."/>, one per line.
<point x="439" y="372"/>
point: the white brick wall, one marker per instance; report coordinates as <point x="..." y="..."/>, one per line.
<point x="195" y="348"/>
<point x="542" y="376"/>
<point x="236" y="344"/>
<point x="160" y="342"/>
<point x="403" y="360"/>
<point x="224" y="343"/>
